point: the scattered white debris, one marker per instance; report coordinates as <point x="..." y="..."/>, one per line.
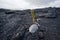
<point x="33" y="28"/>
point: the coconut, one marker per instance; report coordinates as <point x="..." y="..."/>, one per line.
<point x="33" y="28"/>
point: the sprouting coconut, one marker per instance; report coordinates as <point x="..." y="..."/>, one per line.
<point x="34" y="27"/>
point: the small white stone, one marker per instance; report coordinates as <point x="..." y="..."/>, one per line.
<point x="33" y="28"/>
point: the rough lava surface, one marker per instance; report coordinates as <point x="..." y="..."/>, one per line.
<point x="14" y="24"/>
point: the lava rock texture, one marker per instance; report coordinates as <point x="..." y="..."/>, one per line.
<point x="14" y="24"/>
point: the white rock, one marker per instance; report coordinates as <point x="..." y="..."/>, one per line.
<point x="33" y="28"/>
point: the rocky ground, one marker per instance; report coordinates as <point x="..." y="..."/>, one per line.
<point x="14" y="24"/>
